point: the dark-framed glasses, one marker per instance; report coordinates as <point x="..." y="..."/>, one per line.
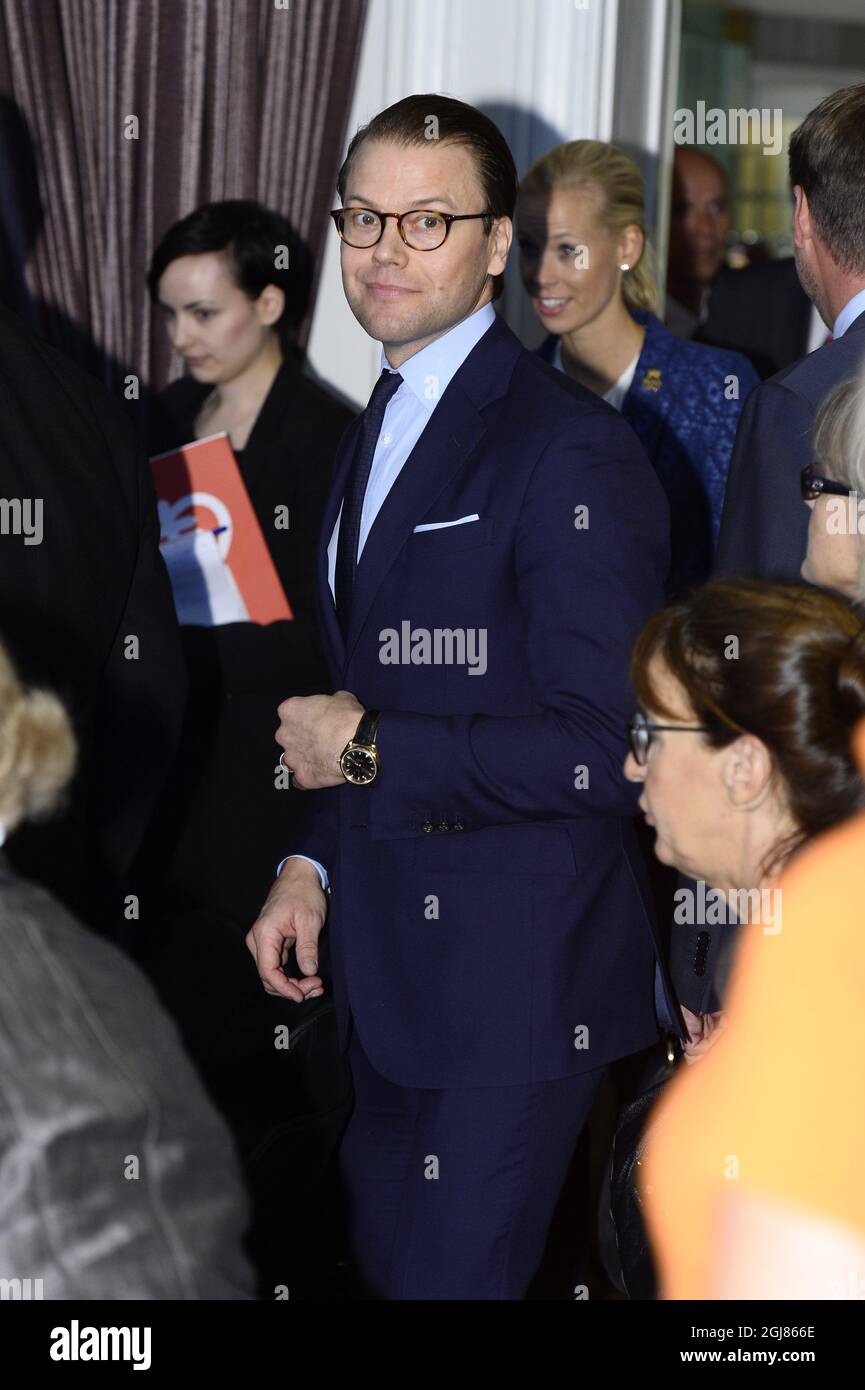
<point x="814" y="486"/>
<point x="423" y="229"/>
<point x="641" y="730"/>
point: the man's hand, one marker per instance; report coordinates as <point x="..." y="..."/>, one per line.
<point x="293" y="914"/>
<point x="313" y="731"/>
<point x="704" y="1031"/>
<point x="693" y="1024"/>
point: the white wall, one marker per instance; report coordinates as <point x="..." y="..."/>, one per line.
<point x="544" y="71"/>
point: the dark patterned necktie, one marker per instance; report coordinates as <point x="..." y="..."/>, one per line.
<point x="355" y="491"/>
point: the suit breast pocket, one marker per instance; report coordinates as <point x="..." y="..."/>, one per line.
<point x="448" y="540"/>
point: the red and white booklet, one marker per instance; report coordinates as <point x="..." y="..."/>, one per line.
<point x="220" y="567"/>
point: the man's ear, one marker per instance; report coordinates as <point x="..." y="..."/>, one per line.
<point x="747" y="771"/>
<point x="801" y="217"/>
<point x="502" y="234"/>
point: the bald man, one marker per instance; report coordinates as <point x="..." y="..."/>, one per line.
<point x="699" y="223"/>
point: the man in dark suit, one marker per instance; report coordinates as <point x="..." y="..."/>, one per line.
<point x="763" y="312"/>
<point x="764" y="525"/>
<point x="493" y="541"/>
<point x="86" y="610"/>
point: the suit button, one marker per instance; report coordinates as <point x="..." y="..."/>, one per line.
<point x="444" y="825"/>
<point x="427" y="826"/>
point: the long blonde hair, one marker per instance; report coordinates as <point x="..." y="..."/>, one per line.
<point x="593" y="164"/>
<point x="37" y="748"/>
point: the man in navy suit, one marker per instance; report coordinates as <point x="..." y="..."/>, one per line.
<point x="764" y="526"/>
<point x="493" y="542"/>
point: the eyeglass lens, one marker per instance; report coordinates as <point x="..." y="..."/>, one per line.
<point x="422" y="229"/>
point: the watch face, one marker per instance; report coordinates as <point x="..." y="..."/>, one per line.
<point x="358" y="765"/>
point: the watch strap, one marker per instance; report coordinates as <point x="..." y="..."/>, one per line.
<point x="366" y="729"/>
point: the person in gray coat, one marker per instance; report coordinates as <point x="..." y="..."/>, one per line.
<point x="117" y="1177"/>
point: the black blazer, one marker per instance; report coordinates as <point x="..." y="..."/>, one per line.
<point x="761" y="311"/>
<point x="225" y="823"/>
<point x="87" y="612"/>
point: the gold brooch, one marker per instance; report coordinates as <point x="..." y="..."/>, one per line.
<point x="652" y="380"/>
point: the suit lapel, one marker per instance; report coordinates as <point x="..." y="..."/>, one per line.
<point x="448" y="439"/>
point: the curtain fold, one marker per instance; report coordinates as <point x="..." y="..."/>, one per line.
<point x="117" y="117"/>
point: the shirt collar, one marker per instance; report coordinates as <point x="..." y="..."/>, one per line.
<point x="440" y="360"/>
<point x="852" y="309"/>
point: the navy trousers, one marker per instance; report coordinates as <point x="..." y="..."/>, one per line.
<point x="451" y="1192"/>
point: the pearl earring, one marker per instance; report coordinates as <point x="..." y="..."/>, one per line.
<point x="624" y="266"/>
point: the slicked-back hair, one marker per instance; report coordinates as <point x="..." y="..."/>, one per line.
<point x="407" y="123"/>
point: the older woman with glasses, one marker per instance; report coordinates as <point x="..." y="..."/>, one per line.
<point x="749" y="695"/>
<point x="743" y="742"/>
<point x="834" y="491"/>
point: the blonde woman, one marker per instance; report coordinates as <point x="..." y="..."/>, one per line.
<point x="118" y="1178"/>
<point x="588" y="266"/>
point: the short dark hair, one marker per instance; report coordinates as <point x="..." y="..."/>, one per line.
<point x="248" y="233"/>
<point x="827" y="161"/>
<point x="406" y="123"/>
<point x="797" y="683"/>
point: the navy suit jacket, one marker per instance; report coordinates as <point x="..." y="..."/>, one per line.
<point x="490" y="920"/>
<point x="764" y="532"/>
<point x="761" y="311"/>
<point x="764" y="525"/>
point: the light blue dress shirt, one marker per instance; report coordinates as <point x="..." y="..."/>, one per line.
<point x="425" y="378"/>
<point x="852" y="309"/>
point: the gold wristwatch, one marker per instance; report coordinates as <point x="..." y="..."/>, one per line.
<point x="359" y="761"/>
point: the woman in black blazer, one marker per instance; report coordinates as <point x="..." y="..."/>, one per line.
<point x="216" y="276"/>
<point x="227" y="822"/>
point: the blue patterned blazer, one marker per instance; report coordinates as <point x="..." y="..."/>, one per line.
<point x="678" y="408"/>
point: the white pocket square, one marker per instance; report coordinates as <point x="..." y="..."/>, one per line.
<point x="438" y="525"/>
